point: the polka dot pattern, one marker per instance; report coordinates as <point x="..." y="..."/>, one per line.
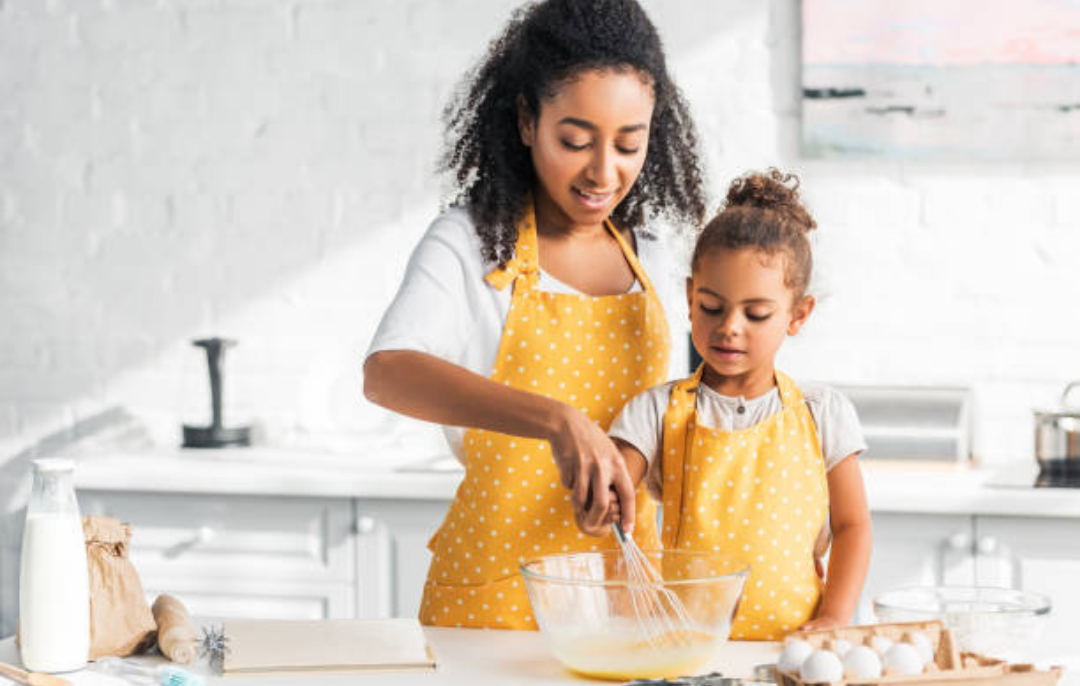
<point x="760" y="494"/>
<point x="591" y="352"/>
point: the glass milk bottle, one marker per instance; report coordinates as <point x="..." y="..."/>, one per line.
<point x="54" y="587"/>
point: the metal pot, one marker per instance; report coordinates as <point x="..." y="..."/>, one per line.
<point x="1057" y="434"/>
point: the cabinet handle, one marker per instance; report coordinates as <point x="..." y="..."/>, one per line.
<point x="204" y="534"/>
<point x="364" y="525"/>
<point x="986" y="545"/>
<point x="959" y="542"/>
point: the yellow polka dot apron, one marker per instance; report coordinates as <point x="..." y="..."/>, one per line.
<point x="594" y="353"/>
<point x="759" y="494"/>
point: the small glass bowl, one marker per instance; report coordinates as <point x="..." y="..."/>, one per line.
<point x="585" y="609"/>
<point x="997" y="622"/>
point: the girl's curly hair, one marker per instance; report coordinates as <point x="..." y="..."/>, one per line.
<point x="545" y="44"/>
<point x="763" y="212"/>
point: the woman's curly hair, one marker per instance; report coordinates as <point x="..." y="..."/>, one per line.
<point x="545" y="44"/>
<point x="763" y="212"/>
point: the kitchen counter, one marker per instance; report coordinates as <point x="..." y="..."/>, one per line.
<point x="259" y="471"/>
<point x="467" y="657"/>
<point x="470" y="657"/>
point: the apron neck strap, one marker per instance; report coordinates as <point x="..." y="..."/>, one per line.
<point x="526" y="259"/>
<point x="676" y="447"/>
<point x="631" y="257"/>
<point x="790" y="395"/>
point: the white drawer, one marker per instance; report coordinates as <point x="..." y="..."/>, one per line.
<point x="255" y="598"/>
<point x="233" y="537"/>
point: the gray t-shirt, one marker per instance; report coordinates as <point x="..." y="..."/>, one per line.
<point x="642" y="419"/>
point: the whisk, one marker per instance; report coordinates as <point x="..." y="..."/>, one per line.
<point x="660" y="613"/>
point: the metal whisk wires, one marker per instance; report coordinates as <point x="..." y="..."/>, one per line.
<point x="660" y="613"/>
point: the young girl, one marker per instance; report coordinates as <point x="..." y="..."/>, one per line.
<point x="744" y="461"/>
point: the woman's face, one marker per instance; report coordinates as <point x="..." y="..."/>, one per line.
<point x="588" y="144"/>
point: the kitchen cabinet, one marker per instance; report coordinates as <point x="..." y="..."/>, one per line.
<point x="240" y="556"/>
<point x="263" y="556"/>
<point x="1039" y="554"/>
<point x="917" y="550"/>
<point x="392" y="553"/>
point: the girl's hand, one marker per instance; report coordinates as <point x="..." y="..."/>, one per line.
<point x="823" y="622"/>
<point x="593" y="469"/>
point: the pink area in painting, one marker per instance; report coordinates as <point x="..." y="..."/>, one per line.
<point x="936" y="32"/>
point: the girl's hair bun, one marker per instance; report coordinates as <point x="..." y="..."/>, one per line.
<point x="771" y="190"/>
<point x="763" y="212"/>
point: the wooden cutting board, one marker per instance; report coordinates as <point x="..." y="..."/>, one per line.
<point x="325" y="645"/>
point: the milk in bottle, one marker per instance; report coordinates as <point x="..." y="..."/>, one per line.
<point x="54" y="588"/>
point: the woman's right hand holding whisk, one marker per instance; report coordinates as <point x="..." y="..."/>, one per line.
<point x="595" y="472"/>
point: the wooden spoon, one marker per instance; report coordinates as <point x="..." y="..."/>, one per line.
<point x="31" y="678"/>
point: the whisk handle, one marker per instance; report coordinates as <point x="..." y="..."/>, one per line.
<point x="619" y="533"/>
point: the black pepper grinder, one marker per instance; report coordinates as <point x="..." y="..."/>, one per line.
<point x="215" y="435"/>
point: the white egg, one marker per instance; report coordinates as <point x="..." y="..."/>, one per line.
<point x="822" y="666"/>
<point x="903" y="659"/>
<point x="861" y="662"/>
<point x="840" y="647"/>
<point x="795" y="652"/>
<point x="880" y="644"/>
<point x="922" y="643"/>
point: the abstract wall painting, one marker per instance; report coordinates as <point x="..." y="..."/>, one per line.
<point x="964" y="80"/>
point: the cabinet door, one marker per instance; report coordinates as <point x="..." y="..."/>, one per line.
<point x="917" y="550"/>
<point x="285" y="539"/>
<point x="240" y="556"/>
<point x="255" y="598"/>
<point x="1040" y="554"/>
<point x="392" y="554"/>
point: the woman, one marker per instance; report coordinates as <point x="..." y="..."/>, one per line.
<point x="526" y="314"/>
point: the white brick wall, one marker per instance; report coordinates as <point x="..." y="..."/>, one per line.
<point x="261" y="169"/>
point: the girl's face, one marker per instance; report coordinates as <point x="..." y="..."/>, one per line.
<point x="588" y="144"/>
<point x="740" y="312"/>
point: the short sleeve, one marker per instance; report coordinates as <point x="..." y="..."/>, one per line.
<point x="837" y="421"/>
<point x="431" y="312"/>
<point x="640" y="423"/>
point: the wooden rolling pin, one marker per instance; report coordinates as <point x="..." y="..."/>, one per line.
<point x="31" y="678"/>
<point x="177" y="639"/>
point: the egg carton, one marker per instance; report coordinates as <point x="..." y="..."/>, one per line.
<point x="950" y="667"/>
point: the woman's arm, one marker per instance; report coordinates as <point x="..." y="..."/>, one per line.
<point x="429" y="388"/>
<point x="850" y="555"/>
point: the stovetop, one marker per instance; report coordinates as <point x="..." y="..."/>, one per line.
<point x="1055" y="474"/>
<point x="1059" y="474"/>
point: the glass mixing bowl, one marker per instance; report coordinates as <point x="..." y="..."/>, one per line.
<point x="997" y="622"/>
<point x="585" y="609"/>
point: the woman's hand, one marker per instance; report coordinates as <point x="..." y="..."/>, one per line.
<point x="593" y="469"/>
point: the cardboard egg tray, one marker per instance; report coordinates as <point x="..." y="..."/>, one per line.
<point x="949" y="668"/>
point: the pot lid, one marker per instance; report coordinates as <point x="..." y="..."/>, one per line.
<point x="1070" y="403"/>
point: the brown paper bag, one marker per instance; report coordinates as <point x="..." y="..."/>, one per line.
<point x="121" y="623"/>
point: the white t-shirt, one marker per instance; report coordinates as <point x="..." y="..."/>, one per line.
<point x="641" y="422"/>
<point x="445" y="307"/>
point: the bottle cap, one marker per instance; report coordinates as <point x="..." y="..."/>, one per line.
<point x="54" y="464"/>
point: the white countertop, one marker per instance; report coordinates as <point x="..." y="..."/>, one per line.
<point x="261" y="471"/>
<point x="472" y="657"/>
<point x="467" y="657"/>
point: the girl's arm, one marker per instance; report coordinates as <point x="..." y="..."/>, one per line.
<point x="636" y="464"/>
<point x="429" y="388"/>
<point x="850" y="555"/>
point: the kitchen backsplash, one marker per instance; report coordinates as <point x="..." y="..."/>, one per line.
<point x="261" y="171"/>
